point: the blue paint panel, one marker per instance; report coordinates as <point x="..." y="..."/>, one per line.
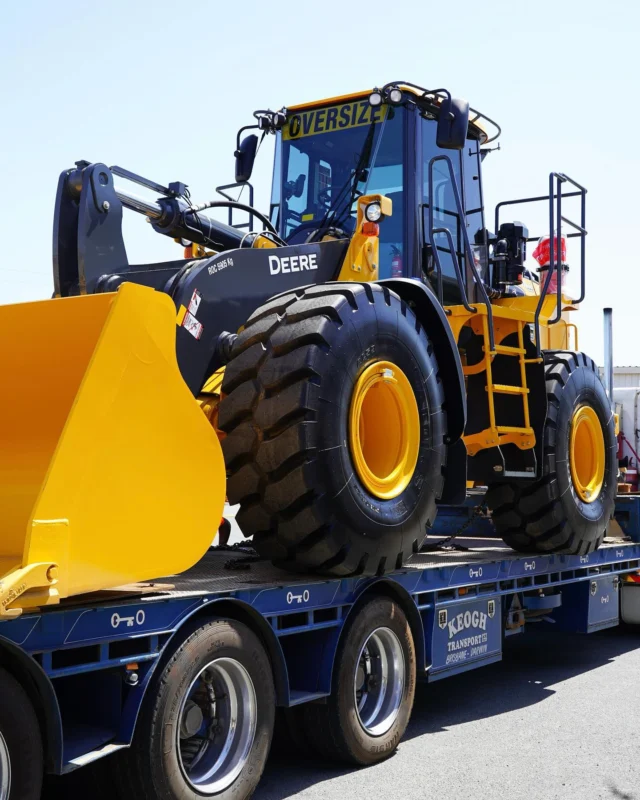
<point x="588" y="606"/>
<point x="465" y="633"/>
<point x="296" y="598"/>
<point x="81" y="626"/>
<point x="530" y="566"/>
<point x="475" y="573"/>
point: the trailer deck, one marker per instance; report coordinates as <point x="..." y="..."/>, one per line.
<point x="94" y="657"/>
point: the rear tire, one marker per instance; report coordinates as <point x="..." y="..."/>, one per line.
<point x="288" y="398"/>
<point x="553" y="514"/>
<point x="171" y="757"/>
<point x="347" y="728"/>
<point x="21" y="755"/>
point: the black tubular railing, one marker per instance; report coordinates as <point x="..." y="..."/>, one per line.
<point x="222" y="190"/>
<point x="556" y="218"/>
<point x="454" y="257"/>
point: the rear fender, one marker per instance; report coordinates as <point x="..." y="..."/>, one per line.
<point x="38" y="687"/>
<point x="229" y="608"/>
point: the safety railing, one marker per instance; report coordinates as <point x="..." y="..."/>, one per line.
<point x="223" y="191"/>
<point x="556" y="218"/>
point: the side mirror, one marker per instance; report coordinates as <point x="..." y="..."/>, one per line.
<point x="453" y="124"/>
<point x="245" y="156"/>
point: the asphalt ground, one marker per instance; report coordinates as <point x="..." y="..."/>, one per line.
<point x="557" y="719"/>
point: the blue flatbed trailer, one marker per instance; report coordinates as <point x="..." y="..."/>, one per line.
<point x="89" y="664"/>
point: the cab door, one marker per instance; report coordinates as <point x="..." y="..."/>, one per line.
<point x="446" y="214"/>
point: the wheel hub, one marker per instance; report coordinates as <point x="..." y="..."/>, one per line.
<point x="379" y="681"/>
<point x="586" y="453"/>
<point x="217" y="727"/>
<point x="384" y="429"/>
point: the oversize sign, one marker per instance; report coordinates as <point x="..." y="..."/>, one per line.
<point x="333" y="118"/>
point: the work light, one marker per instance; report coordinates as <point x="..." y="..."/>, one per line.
<point x="373" y="212"/>
<point x="375" y="98"/>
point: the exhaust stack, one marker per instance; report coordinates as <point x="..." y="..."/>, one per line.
<point x="608" y="354"/>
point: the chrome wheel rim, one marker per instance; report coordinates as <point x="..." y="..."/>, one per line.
<point x="217" y="726"/>
<point x="379" y="681"/>
<point x="5" y="770"/>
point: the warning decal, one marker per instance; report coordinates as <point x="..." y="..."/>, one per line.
<point x="192" y="325"/>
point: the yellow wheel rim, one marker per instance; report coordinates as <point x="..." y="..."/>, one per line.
<point x="384" y="429"/>
<point x="586" y="453"/>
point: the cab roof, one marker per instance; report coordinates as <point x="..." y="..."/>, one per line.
<point x="486" y="129"/>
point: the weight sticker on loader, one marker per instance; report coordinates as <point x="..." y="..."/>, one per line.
<point x="192" y="325"/>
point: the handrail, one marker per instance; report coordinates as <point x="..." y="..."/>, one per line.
<point x="221" y="190"/>
<point x="456" y="266"/>
<point x="467" y="247"/>
<point x="555" y="253"/>
<point x="522" y="201"/>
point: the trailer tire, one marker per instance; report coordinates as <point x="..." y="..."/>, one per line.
<point x="347" y="728"/>
<point x="21" y="751"/>
<point x="568" y="509"/>
<point x="335" y="425"/>
<point x="167" y="759"/>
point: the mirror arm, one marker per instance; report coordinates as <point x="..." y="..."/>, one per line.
<point x="240" y="132"/>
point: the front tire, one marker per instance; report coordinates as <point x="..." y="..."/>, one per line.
<point x="568" y="509"/>
<point x="207" y="729"/>
<point x="334" y="422"/>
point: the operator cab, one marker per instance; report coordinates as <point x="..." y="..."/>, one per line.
<point x="328" y="154"/>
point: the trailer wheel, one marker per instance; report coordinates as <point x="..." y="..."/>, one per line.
<point x="21" y="754"/>
<point x="207" y="729"/>
<point x="373" y="689"/>
<point x="334" y="417"/>
<point x="568" y="509"/>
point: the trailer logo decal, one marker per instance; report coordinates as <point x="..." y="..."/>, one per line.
<point x="138" y="619"/>
<point x="468" y="619"/>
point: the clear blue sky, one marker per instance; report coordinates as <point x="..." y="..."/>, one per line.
<point x="161" y="88"/>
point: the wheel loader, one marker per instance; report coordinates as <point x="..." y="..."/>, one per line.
<point x="339" y="367"/>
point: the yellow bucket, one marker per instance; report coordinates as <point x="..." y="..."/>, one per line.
<point x="109" y="471"/>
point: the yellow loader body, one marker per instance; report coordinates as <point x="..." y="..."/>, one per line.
<point x="109" y="471"/>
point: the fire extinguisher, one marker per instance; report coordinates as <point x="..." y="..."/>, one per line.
<point x="396" y="262"/>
